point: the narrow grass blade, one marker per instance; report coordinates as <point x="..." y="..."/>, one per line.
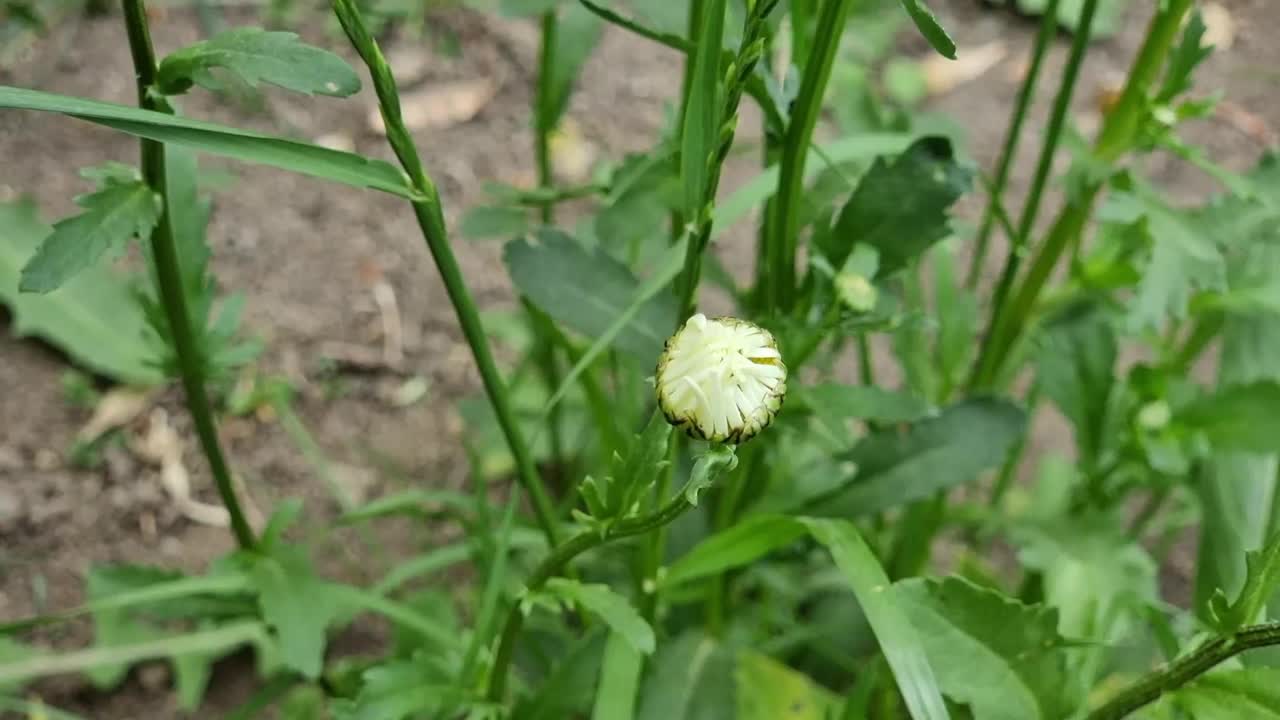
<point x="619" y="681"/>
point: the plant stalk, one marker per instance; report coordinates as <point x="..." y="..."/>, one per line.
<point x="782" y="240"/>
<point x="555" y="563"/>
<point x="186" y="345"/>
<point x="1044" y="38"/>
<point x="430" y="218"/>
<point x="1117" y="135"/>
<point x="1183" y="670"/>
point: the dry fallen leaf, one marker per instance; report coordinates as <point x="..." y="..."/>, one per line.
<point x="435" y="107"/>
<point x="1219" y="26"/>
<point x="572" y="155"/>
<point x="161" y="445"/>
<point x="116" y="409"/>
<point x="942" y="75"/>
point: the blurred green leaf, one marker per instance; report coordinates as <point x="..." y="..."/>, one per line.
<point x="256" y="55"/>
<point x="94" y="318"/>
<point x="928" y="26"/>
<point x="568" y="688"/>
<point x="342" y="167"/>
<point x="897" y="466"/>
<point x="1106" y="19"/>
<point x="998" y="656"/>
<point x="1075" y="368"/>
<point x="738" y="545"/>
<point x="862" y="402"/>
<point x="577" y="34"/>
<point x="112" y="217"/>
<point x="1262" y="575"/>
<point x="898" y="638"/>
<point x="956" y="306"/>
<point x="1238" y="417"/>
<point x="690" y="679"/>
<point x="494" y="221"/>
<point x="769" y="690"/>
<point x="589" y="291"/>
<point x="619" y="680"/>
<point x="1252" y="693"/>
<point x="297" y="604"/>
<point x="615" y="610"/>
<point x="701" y="131"/>
<point x="900" y="205"/>
<point x="1184" y="59"/>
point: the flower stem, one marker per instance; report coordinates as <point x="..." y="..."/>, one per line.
<point x="186" y="346"/>
<point x="1185" y="669"/>
<point x="782" y="238"/>
<point x="431" y="220"/>
<point x="1048" y="29"/>
<point x="555" y="563"/>
<point x="1118" y="134"/>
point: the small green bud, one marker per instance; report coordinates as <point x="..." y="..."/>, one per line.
<point x="856" y="292"/>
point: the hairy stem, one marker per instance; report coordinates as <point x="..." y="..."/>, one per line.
<point x="186" y="345"/>
<point x="1183" y="670"/>
<point x="430" y="218"/>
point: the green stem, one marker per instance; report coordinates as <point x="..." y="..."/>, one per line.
<point x="1048" y="149"/>
<point x="1044" y="38"/>
<point x="1183" y="670"/>
<point x="431" y="221"/>
<point x="1118" y="134"/>
<point x="782" y="241"/>
<point x="1202" y="333"/>
<point x="543" y="110"/>
<point x="555" y="563"/>
<point x="186" y="346"/>
<point x="694" y="27"/>
<point x="654" y="551"/>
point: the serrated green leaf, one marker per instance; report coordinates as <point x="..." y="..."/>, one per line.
<point x="900" y="206"/>
<point x="94" y="318"/>
<point x="701" y="128"/>
<point x="342" y="167"/>
<point x="1252" y="693"/>
<point x="111" y="218"/>
<point x="619" y="680"/>
<point x="589" y="291"/>
<point x="894" y="467"/>
<point x="614" y="609"/>
<point x="998" y="656"/>
<point x="928" y="26"/>
<point x="566" y="690"/>
<point x="898" y="638"/>
<point x="769" y="690"/>
<point x="297" y="604"/>
<point x="1238" y="417"/>
<point x="1262" y="575"/>
<point x="256" y="55"/>
<point x="1184" y="59"/>
<point x="735" y="546"/>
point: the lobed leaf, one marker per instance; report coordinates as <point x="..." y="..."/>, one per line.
<point x="256" y="55"/>
<point x="611" y="607"/>
<point x="297" y="604"/>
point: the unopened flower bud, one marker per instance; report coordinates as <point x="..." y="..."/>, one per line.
<point x="721" y="379"/>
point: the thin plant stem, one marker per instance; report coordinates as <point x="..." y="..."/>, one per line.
<point x="694" y="27"/>
<point x="430" y="219"/>
<point x="1044" y="38"/>
<point x="1183" y="670"/>
<point x="1118" y="134"/>
<point x="1049" y="148"/>
<point x="186" y="345"/>
<point x="782" y="239"/>
<point x="555" y="563"/>
<point x="543" y="110"/>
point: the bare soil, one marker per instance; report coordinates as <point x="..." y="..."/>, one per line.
<point x="308" y="255"/>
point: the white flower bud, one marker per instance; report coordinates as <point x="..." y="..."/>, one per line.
<point x="721" y="379"/>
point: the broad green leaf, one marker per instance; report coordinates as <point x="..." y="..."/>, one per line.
<point x="1075" y="368"/>
<point x="342" y="167"/>
<point x="567" y="689"/>
<point x="690" y="679"/>
<point x="735" y="546"/>
<point x="94" y="318"/>
<point x="256" y="55"/>
<point x="1262" y="576"/>
<point x="111" y="218"/>
<point x="576" y="36"/>
<point x="588" y="291"/>
<point x="297" y="604"/>
<point x="619" y="680"/>
<point x="900" y="206"/>
<point x="1252" y="693"/>
<point x="956" y="306"/>
<point x="928" y="26"/>
<point x="769" y="690"/>
<point x="894" y="467"/>
<point x="893" y="629"/>
<point x="611" y="607"/>
<point x="1001" y="658"/>
<point x="863" y="402"/>
<point x="701" y="130"/>
<point x="1238" y="417"/>
<point x="494" y="221"/>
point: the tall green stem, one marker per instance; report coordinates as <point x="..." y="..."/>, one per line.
<point x="191" y="363"/>
<point x="1185" y="669"/>
<point x="1044" y="38"/>
<point x="431" y="220"/>
<point x="543" y="111"/>
<point x="555" y="563"/>
<point x="782" y="240"/>
<point x="1117" y="136"/>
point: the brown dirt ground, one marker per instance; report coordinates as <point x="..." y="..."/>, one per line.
<point x="307" y="254"/>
